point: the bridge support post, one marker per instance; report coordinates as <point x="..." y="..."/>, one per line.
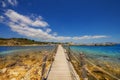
<point x="83" y="66"/>
<point x="43" y="67"/>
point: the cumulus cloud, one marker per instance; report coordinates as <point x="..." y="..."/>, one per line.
<point x="48" y="30"/>
<point x="4" y="3"/>
<point x="29" y="31"/>
<point x="13" y="2"/>
<point x="1" y="18"/>
<point x="18" y="18"/>
<point x="26" y="26"/>
<point x="55" y="34"/>
<point x="90" y="37"/>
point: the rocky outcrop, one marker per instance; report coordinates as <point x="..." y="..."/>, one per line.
<point x="12" y="43"/>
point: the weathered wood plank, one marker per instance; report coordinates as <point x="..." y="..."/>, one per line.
<point x="60" y="68"/>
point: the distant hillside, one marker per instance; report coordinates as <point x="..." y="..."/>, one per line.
<point x="98" y="44"/>
<point x="20" y="41"/>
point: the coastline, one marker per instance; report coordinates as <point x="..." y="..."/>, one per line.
<point x="31" y="45"/>
<point x="18" y="65"/>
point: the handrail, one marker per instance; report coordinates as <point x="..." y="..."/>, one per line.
<point x="71" y="69"/>
<point x="96" y="67"/>
<point x="86" y="68"/>
<point x="43" y="66"/>
<point x="52" y="59"/>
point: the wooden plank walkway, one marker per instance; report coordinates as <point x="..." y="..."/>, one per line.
<point x="60" y="68"/>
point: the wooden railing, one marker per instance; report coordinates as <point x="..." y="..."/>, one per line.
<point x="48" y="57"/>
<point x="82" y="69"/>
<point x="80" y="61"/>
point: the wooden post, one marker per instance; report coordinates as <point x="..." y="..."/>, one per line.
<point x="82" y="61"/>
<point x="69" y="54"/>
<point x="83" y="66"/>
<point x="43" y="66"/>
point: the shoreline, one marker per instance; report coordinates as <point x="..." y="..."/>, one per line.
<point x="16" y="66"/>
<point x="30" y="45"/>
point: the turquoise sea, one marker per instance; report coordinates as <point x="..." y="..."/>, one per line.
<point x="100" y="55"/>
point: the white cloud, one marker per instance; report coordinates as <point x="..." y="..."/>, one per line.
<point x="29" y="31"/>
<point x="90" y="37"/>
<point x="18" y="18"/>
<point x="1" y="18"/>
<point x="3" y="4"/>
<point x="26" y="26"/>
<point x="13" y="2"/>
<point x="62" y="38"/>
<point x="55" y="34"/>
<point x="48" y="30"/>
<point x="99" y="36"/>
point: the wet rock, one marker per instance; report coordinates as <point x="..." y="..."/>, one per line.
<point x="118" y="58"/>
<point x="105" y="56"/>
<point x="40" y="52"/>
<point x="1" y="56"/>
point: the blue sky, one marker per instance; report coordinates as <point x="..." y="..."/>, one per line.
<point x="61" y="20"/>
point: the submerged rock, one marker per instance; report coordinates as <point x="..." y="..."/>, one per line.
<point x="105" y="56"/>
<point x="118" y="58"/>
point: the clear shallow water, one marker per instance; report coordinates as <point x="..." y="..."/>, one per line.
<point x="12" y="49"/>
<point x="110" y="53"/>
<point x="104" y="59"/>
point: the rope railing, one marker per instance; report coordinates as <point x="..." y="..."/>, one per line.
<point x="84" y="66"/>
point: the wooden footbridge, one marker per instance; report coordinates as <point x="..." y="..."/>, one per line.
<point x="62" y="68"/>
